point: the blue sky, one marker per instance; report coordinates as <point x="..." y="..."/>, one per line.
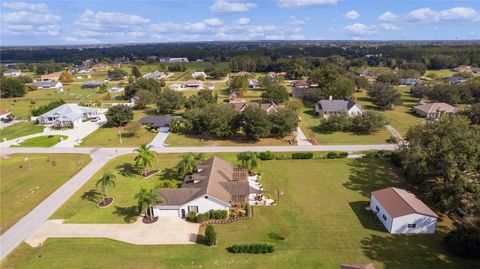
<point x="105" y="21"/>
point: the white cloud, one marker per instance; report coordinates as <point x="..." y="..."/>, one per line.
<point x="427" y="15"/>
<point x="229" y="6"/>
<point x="213" y="22"/>
<point x="29" y="19"/>
<point x="422" y="15"/>
<point x="98" y="20"/>
<point x="358" y="29"/>
<point x="243" y="21"/>
<point x="388" y="16"/>
<point x="388" y="26"/>
<point x="305" y="3"/>
<point x="294" y="21"/>
<point x="40" y="7"/>
<point x="352" y="15"/>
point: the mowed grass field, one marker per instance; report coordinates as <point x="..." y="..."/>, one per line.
<point x="321" y="215"/>
<point x="22" y="188"/>
<point x="20" y="129"/>
<point x="42" y="141"/>
<point x="108" y="136"/>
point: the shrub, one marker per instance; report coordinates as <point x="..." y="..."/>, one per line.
<point x="252" y="248"/>
<point x="266" y="155"/>
<point x="337" y="155"/>
<point x="392" y="140"/>
<point x="464" y="242"/>
<point x="203" y="217"/>
<point x="302" y="155"/>
<point x="218" y="214"/>
<point x="210" y="235"/>
<point x="368" y="122"/>
<point x="396" y="159"/>
<point x="337" y="122"/>
<point x="192" y="216"/>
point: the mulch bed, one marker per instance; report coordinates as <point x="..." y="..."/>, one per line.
<point x="150" y="173"/>
<point x="105" y="202"/>
<point x="146" y="220"/>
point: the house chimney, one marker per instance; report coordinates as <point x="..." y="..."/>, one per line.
<point x="330" y="98"/>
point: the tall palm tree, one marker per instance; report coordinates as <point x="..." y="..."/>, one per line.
<point x="144" y="158"/>
<point x="146" y="200"/>
<point x="188" y="163"/>
<point x="108" y="179"/>
<point x="249" y="159"/>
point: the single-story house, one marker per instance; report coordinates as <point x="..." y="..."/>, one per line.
<point x="253" y="84"/>
<point x="92" y="84"/>
<point x="325" y="108"/>
<point x="178" y="60"/>
<point x="409" y="81"/>
<point x="4" y="114"/>
<point x="198" y="74"/>
<point x="81" y="69"/>
<point x="12" y="73"/>
<point x="434" y="110"/>
<point x="357" y="266"/>
<point x="402" y="212"/>
<point x="156" y="121"/>
<point x="463" y="69"/>
<point x="116" y="89"/>
<point x="51" y="77"/>
<point x="455" y="80"/>
<point x="49" y="85"/>
<point x="68" y="115"/>
<point x="242" y="74"/>
<point x="193" y="84"/>
<point x="298" y="92"/>
<point x="217" y="185"/>
<point x="277" y="75"/>
<point x="155" y="75"/>
<point x="175" y="86"/>
<point x="300" y="84"/>
<point x="267" y="107"/>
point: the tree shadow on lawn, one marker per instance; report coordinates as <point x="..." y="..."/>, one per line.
<point x="128" y="169"/>
<point x="129" y="214"/>
<point x="170" y="173"/>
<point x="412" y="251"/>
<point x="92" y="196"/>
<point x="366" y="217"/>
<point x="371" y="174"/>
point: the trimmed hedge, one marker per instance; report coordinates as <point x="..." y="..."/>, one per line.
<point x="252" y="248"/>
<point x="302" y="155"/>
<point x="212" y="214"/>
<point x="266" y="155"/>
<point x="337" y="155"/>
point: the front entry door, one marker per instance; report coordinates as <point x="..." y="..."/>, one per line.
<point x="183" y="213"/>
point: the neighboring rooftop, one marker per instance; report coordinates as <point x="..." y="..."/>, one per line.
<point x="156" y="121"/>
<point x="398" y="202"/>
<point x="436" y="107"/>
<point x="337" y="105"/>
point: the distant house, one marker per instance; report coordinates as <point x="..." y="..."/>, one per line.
<point x="217" y="185"/>
<point x="51" y="77"/>
<point x="402" y="212"/>
<point x="242" y="74"/>
<point x="434" y="110"/>
<point x="116" y="89"/>
<point x="99" y="66"/>
<point x="4" y="114"/>
<point x="357" y="266"/>
<point x="12" y="73"/>
<point x="325" y="108"/>
<point x="175" y="86"/>
<point x="193" y="84"/>
<point x="463" y="69"/>
<point x="198" y="74"/>
<point x="298" y="92"/>
<point x="81" y="69"/>
<point x="178" y="60"/>
<point x="300" y="84"/>
<point x="242" y="105"/>
<point x="156" y="121"/>
<point x="253" y="84"/>
<point x="68" y="115"/>
<point x="92" y="84"/>
<point x="49" y="85"/>
<point x="155" y="75"/>
<point x="277" y="75"/>
<point x="455" y="80"/>
<point x="409" y="81"/>
<point x="210" y="85"/>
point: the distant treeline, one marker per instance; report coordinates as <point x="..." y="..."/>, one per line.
<point x="433" y="56"/>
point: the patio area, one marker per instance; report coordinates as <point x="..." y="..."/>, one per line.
<point x="256" y="196"/>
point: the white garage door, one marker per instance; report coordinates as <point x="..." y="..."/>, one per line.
<point x="166" y="212"/>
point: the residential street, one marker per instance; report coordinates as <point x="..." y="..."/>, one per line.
<point x="100" y="156"/>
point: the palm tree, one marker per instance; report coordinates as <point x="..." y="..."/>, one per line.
<point x="144" y="158"/>
<point x="108" y="179"/>
<point x="249" y="159"/>
<point x="146" y="200"/>
<point x="188" y="163"/>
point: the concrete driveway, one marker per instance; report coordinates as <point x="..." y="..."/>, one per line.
<point x="159" y="139"/>
<point x="166" y="231"/>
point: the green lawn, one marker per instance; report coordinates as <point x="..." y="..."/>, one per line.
<point x="42" y="141"/>
<point x="321" y="214"/>
<point x="23" y="188"/>
<point x="20" y="129"/>
<point x="108" y="136"/>
<point x="179" y="140"/>
<point x="310" y="126"/>
<point x="440" y="73"/>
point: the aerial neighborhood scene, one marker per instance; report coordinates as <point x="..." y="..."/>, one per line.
<point x="240" y="134"/>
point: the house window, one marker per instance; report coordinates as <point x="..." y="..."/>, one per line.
<point x="384" y="217"/>
<point x="377" y="208"/>
<point x="193" y="208"/>
<point x="411" y="225"/>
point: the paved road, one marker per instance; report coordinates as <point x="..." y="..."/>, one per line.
<point x="100" y="156"/>
<point x="394" y="132"/>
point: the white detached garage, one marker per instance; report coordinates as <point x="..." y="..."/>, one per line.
<point x="402" y="212"/>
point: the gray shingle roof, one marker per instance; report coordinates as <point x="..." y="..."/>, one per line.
<point x="335" y="105"/>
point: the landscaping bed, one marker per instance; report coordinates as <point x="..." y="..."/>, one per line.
<point x="105" y="202"/>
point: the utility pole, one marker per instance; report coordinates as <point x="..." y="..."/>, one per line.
<point x="28" y="162"/>
<point x="120" y="135"/>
